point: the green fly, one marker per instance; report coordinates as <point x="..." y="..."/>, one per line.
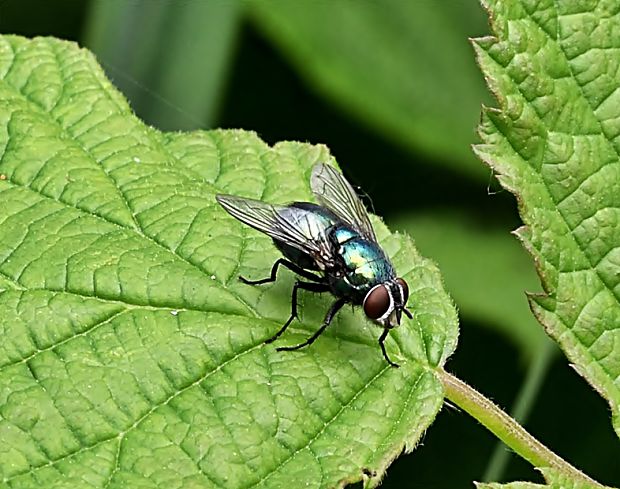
<point x="333" y="247"/>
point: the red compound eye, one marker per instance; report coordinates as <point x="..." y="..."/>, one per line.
<point x="377" y="302"/>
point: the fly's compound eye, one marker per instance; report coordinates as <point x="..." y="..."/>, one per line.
<point x="377" y="302"/>
<point x="405" y="288"/>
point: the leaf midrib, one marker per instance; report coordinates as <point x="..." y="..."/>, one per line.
<point x="72" y="139"/>
<point x="139" y="232"/>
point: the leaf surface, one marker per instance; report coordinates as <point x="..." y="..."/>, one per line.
<point x="554" y="143"/>
<point x="131" y="355"/>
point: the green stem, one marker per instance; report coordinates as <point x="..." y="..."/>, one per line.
<point x="534" y="379"/>
<point x="506" y="428"/>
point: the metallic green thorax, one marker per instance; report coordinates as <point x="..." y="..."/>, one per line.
<point x="365" y="265"/>
<point x="359" y="264"/>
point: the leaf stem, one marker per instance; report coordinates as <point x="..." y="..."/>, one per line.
<point x="506" y="428"/>
<point x="534" y="379"/>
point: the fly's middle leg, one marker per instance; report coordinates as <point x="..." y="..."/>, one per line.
<point x="328" y="319"/>
<point x="298" y="285"/>
<point x="274" y="272"/>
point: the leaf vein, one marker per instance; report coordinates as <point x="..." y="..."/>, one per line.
<point x="328" y="423"/>
<point x="123" y="434"/>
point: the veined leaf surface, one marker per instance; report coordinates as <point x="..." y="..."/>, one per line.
<point x="555" y="143"/>
<point x="131" y="355"/>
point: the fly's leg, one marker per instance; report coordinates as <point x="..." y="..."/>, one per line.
<point x="298" y="285"/>
<point x="382" y="343"/>
<point x="407" y="313"/>
<point x="328" y="319"/>
<point x="274" y="271"/>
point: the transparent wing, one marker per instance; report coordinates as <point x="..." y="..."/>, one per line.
<point x="334" y="192"/>
<point x="292" y="226"/>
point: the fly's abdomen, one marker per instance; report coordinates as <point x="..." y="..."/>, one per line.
<point x="304" y="260"/>
<point x="313" y="223"/>
<point x="311" y="220"/>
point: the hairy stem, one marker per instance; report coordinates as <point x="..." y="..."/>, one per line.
<point x="534" y="380"/>
<point x="506" y="428"/>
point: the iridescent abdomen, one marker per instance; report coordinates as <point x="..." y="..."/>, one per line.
<point x="314" y="222"/>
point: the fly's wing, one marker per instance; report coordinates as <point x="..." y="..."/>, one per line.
<point x="334" y="192"/>
<point x="275" y="221"/>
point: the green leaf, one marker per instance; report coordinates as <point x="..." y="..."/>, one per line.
<point x="486" y="271"/>
<point x="554" y="143"/>
<point x="554" y="478"/>
<point x="403" y="68"/>
<point x="131" y="354"/>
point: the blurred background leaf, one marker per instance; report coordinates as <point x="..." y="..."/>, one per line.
<point x="392" y="88"/>
<point x="486" y="271"/>
<point x="403" y="68"/>
<point x="171" y="59"/>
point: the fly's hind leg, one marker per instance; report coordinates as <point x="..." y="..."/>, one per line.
<point x="274" y="271"/>
<point x="328" y="319"/>
<point x="298" y="285"/>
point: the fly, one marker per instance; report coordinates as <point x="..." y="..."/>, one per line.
<point x="333" y="247"/>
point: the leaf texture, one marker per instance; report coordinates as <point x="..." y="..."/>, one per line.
<point x="555" y="143"/>
<point x="131" y="355"/>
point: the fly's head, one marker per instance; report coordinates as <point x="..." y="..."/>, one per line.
<point x="386" y="302"/>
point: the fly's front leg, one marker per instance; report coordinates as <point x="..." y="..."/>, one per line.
<point x="328" y="319"/>
<point x="274" y="271"/>
<point x="298" y="285"/>
<point x="382" y="343"/>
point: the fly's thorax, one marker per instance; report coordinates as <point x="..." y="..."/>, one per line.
<point x="341" y="234"/>
<point x="298" y="257"/>
<point x="362" y="264"/>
